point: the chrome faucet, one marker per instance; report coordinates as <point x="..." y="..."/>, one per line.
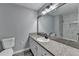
<point x="50" y="34"/>
<point x="78" y="36"/>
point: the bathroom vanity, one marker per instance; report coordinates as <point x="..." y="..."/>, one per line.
<point x="52" y="47"/>
<point x="37" y="49"/>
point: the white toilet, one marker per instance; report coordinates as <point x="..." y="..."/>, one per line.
<point x="7" y="46"/>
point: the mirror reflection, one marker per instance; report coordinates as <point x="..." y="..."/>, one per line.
<point x="62" y="22"/>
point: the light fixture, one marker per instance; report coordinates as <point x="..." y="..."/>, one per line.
<point x="52" y="7"/>
<point x="49" y="8"/>
<point x="43" y="12"/>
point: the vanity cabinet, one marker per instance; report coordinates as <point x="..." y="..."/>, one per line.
<point x="33" y="47"/>
<point x="44" y="52"/>
<point x="37" y="49"/>
<point x="53" y="47"/>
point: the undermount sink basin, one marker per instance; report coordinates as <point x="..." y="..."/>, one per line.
<point x="42" y="39"/>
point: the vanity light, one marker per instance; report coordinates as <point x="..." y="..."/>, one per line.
<point x="43" y="12"/>
<point x="47" y="10"/>
<point x="51" y="7"/>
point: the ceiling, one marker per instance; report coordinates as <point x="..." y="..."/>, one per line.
<point x="65" y="9"/>
<point x="34" y="6"/>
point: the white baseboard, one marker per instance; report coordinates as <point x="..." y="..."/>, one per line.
<point x="21" y="50"/>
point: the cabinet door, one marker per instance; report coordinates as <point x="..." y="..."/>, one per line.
<point x="39" y="50"/>
<point x="33" y="47"/>
<point x="44" y="52"/>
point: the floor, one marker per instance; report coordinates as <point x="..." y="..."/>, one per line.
<point x="25" y="53"/>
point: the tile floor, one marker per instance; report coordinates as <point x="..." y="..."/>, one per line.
<point x="25" y="53"/>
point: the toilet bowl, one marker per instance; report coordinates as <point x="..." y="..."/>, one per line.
<point x="7" y="45"/>
<point x="7" y="52"/>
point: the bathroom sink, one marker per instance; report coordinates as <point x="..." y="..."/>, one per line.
<point x="43" y="39"/>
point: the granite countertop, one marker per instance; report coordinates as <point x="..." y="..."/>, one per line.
<point x="59" y="46"/>
<point x="66" y="42"/>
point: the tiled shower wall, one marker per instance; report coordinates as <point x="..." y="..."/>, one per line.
<point x="70" y="29"/>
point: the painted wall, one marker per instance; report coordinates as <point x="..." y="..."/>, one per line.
<point x="17" y="21"/>
<point x="58" y="25"/>
<point x="46" y="24"/>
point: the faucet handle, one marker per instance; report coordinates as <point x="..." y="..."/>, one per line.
<point x="77" y="33"/>
<point x="52" y="34"/>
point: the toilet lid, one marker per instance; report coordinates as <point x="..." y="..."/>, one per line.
<point x="7" y="52"/>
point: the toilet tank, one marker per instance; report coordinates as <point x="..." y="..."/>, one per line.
<point x="8" y="43"/>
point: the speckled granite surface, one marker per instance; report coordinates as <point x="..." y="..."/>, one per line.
<point x="57" y="46"/>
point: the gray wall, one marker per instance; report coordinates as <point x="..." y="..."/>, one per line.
<point x="17" y="21"/>
<point x="58" y="25"/>
<point x="46" y="24"/>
